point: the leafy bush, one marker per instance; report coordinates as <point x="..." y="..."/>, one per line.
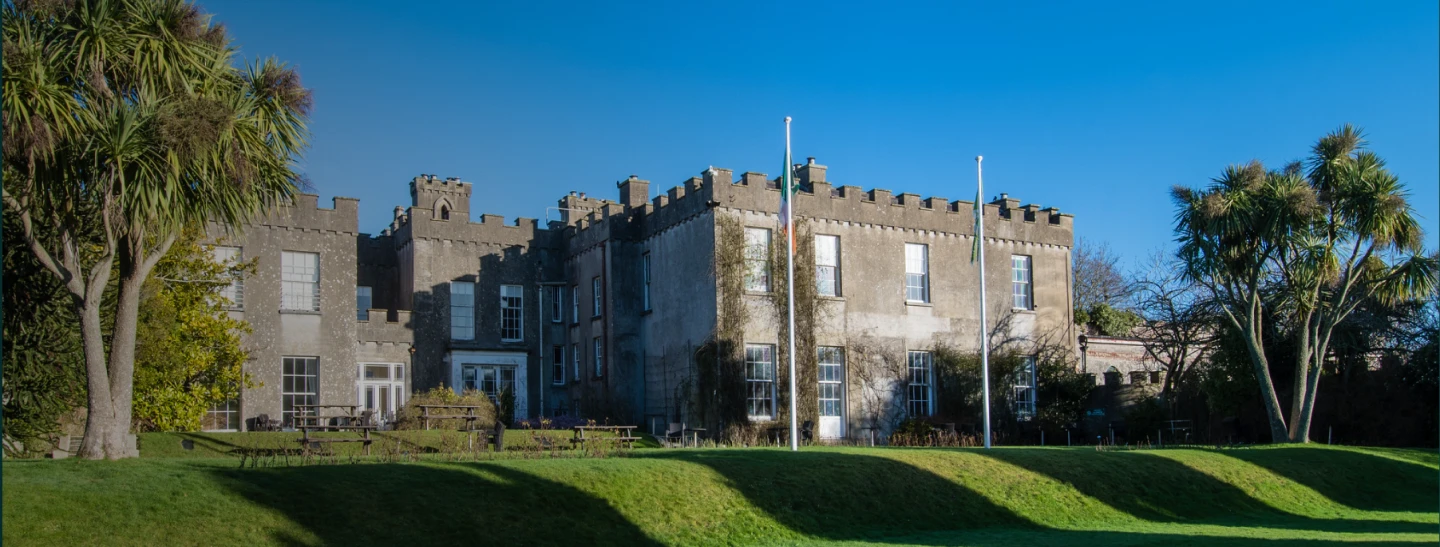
<point x="410" y="417"/>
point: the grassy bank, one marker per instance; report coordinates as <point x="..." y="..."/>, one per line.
<point x="742" y="496"/>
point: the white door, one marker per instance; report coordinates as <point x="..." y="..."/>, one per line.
<point x="382" y="389"/>
<point x="832" y="393"/>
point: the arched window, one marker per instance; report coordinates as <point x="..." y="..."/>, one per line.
<point x="442" y="209"/>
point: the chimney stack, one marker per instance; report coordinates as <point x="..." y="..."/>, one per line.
<point x="634" y="192"/>
<point x="810" y="173"/>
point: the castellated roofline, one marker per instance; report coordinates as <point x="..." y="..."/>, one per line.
<point x="824" y="200"/>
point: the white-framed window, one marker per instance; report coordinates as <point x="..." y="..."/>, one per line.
<point x="222" y="416"/>
<point x="832" y="380"/>
<point x="575" y="361"/>
<point x="827" y="265"/>
<point x="492" y="380"/>
<point x="557" y="364"/>
<point x="917" y="272"/>
<point x="598" y="298"/>
<point x="557" y="304"/>
<point x="1020" y="282"/>
<point x="231" y="257"/>
<point x="757" y="259"/>
<point x="381" y="388"/>
<point x="599" y="357"/>
<point x="299" y="281"/>
<point x="363" y="302"/>
<point x="645" y="273"/>
<point x="512" y="313"/>
<point x="574" y="303"/>
<point x="462" y="310"/>
<point x="1025" y="390"/>
<point x="920" y="400"/>
<point x="760" y="381"/>
<point x="299" y="385"/>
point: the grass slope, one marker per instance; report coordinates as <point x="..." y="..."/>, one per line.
<point x="1008" y="496"/>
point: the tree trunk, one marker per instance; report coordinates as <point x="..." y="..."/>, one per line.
<point x="100" y="411"/>
<point x="1312" y="389"/>
<point x="1299" y="421"/>
<point x="1278" y="432"/>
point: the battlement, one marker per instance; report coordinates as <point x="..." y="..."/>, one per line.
<point x="446" y="199"/>
<point x="820" y="199"/>
<point x="303" y="212"/>
<point x="384" y="325"/>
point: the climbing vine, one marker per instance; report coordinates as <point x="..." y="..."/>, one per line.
<point x="807" y="315"/>
<point x="719" y="401"/>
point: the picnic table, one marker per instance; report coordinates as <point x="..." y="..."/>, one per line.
<point x="694" y="435"/>
<point x="308" y="418"/>
<point x="469" y="413"/>
<point x="626" y="434"/>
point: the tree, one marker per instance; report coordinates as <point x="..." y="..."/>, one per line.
<point x="131" y="119"/>
<point x="1180" y="322"/>
<point x="1321" y="241"/>
<point x="1098" y="279"/>
<point x="188" y="353"/>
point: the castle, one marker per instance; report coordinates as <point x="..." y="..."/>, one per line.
<point x="642" y="310"/>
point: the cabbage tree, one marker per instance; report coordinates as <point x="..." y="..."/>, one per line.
<point x="133" y="119"/>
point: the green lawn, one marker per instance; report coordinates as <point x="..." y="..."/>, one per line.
<point x="1008" y="496"/>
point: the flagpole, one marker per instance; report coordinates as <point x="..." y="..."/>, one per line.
<point x="790" y="285"/>
<point x="984" y="334"/>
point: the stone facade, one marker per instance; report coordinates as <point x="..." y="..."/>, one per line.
<point x="636" y="285"/>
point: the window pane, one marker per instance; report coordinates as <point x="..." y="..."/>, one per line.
<point x="920" y="383"/>
<point x="831" y="372"/>
<point x="511" y="313"/>
<point x="300" y="385"/>
<point x="917" y="272"/>
<point x="234" y="293"/>
<point x="599" y="358"/>
<point x="1020" y="282"/>
<point x="299" y="281"/>
<point x="760" y="380"/>
<point x="462" y="310"/>
<point x="363" y="303"/>
<point x="595" y="295"/>
<point x="757" y="259"/>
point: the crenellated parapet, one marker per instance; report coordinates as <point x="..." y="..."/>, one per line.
<point x="386" y="326"/>
<point x="304" y="213"/>
<point x="445" y="199"/>
<point x="824" y="201"/>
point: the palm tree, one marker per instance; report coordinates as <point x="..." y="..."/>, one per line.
<point x="1308" y="246"/>
<point x="131" y="119"/>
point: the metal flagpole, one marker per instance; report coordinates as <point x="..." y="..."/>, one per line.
<point x="984" y="329"/>
<point x="788" y="179"/>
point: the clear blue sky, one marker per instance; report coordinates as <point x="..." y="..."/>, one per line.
<point x="1095" y="110"/>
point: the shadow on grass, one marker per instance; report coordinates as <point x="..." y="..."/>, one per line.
<point x="1159" y="489"/>
<point x="1351" y="478"/>
<point x="1068" y="538"/>
<point x="840" y="496"/>
<point x="431" y="505"/>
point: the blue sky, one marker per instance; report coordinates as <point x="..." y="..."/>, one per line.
<point x="1097" y="110"/>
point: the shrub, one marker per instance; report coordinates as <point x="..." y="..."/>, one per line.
<point x="410" y="417"/>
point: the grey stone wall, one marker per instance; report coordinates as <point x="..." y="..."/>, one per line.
<point x="328" y="334"/>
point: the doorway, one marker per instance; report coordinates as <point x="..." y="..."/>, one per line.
<point x="832" y="392"/>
